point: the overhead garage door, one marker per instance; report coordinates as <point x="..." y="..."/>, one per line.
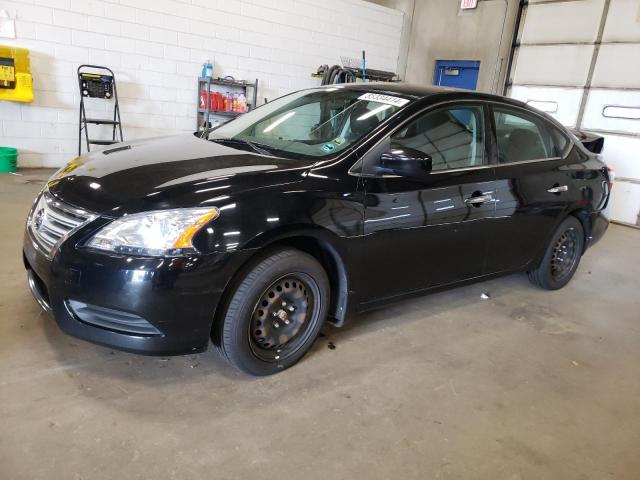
<point x="579" y="60"/>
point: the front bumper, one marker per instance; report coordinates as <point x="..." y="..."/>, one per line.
<point x="175" y="297"/>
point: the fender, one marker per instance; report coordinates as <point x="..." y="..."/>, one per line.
<point x="329" y="249"/>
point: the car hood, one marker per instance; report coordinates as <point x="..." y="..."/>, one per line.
<point x="166" y="172"/>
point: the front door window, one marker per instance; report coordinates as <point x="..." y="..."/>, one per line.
<point x="452" y="137"/>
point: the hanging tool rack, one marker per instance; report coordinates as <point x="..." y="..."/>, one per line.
<point x="352" y="69"/>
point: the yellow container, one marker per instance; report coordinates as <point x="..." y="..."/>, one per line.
<point x="15" y="75"/>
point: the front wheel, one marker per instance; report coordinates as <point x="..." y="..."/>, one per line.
<point x="275" y="313"/>
<point x="562" y="257"/>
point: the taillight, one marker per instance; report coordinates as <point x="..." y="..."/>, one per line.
<point x="612" y="176"/>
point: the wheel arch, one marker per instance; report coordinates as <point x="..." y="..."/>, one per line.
<point x="332" y="262"/>
<point x="583" y="215"/>
<point x="314" y="241"/>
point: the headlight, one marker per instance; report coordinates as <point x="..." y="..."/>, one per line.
<point x="156" y="233"/>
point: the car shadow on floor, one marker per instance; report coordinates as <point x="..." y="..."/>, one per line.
<point x="98" y="362"/>
<point x="191" y="384"/>
<point x="427" y="306"/>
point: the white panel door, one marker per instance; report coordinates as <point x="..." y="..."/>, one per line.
<point x="622" y="153"/>
<point x="561" y="65"/>
<point x="546" y="22"/>
<point x="624" y="196"/>
<point x="618" y="66"/>
<point x="561" y="103"/>
<point x="623" y="22"/>
<point x="551" y="72"/>
<point x="613" y="111"/>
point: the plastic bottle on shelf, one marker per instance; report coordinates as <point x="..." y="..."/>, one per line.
<point x="207" y="69"/>
<point x="213" y="102"/>
<point x="228" y="102"/>
<point x="242" y="103"/>
<point x="204" y="99"/>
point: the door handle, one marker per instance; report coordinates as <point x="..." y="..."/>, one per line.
<point x="480" y="199"/>
<point x="559" y="189"/>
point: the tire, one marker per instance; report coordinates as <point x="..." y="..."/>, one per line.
<point x="562" y="256"/>
<point x="275" y="312"/>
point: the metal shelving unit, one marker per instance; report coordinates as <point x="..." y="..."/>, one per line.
<point x="204" y="115"/>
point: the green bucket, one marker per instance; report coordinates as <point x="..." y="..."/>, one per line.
<point x="8" y="159"/>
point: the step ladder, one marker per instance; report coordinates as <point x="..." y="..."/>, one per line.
<point x="98" y="82"/>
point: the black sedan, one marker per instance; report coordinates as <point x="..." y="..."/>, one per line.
<point x="321" y="203"/>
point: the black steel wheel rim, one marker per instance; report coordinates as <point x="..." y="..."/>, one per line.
<point x="284" y="317"/>
<point x="565" y="254"/>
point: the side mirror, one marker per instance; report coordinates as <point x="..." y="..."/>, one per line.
<point x="406" y="162"/>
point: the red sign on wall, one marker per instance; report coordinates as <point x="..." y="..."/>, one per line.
<point x="468" y="4"/>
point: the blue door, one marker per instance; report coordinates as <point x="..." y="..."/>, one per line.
<point x="457" y="73"/>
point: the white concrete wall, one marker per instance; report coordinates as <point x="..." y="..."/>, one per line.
<point x="157" y="47"/>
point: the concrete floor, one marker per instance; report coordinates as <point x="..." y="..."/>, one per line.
<point x="528" y="384"/>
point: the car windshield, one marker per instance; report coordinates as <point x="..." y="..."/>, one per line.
<point x="311" y="124"/>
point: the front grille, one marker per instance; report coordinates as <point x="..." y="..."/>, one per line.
<point x="111" y="319"/>
<point x="52" y="221"/>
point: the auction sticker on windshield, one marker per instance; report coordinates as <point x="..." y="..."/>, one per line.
<point x="382" y="98"/>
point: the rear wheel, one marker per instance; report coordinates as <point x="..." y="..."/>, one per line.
<point x="562" y="257"/>
<point x="275" y="313"/>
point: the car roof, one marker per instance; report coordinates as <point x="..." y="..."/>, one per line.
<point x="426" y="91"/>
<point x="428" y="94"/>
<point x="401" y="88"/>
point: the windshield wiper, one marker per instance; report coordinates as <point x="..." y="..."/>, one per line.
<point x="205" y="133"/>
<point x="257" y="147"/>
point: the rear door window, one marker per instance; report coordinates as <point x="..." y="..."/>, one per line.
<point x="521" y="136"/>
<point x="559" y="141"/>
